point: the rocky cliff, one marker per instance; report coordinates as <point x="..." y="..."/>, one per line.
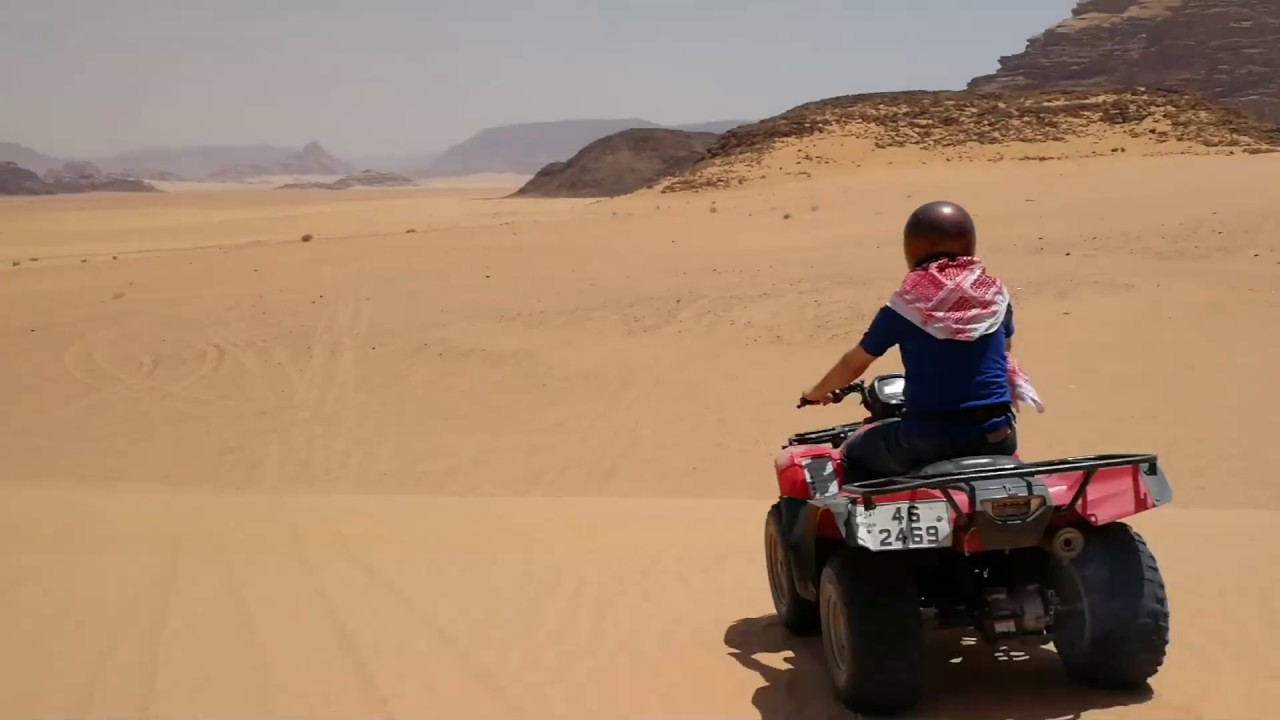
<point x="1223" y="50"/>
<point x="964" y="126"/>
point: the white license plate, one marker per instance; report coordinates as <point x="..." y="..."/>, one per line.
<point x="904" y="525"/>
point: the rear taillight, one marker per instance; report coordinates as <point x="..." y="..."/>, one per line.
<point x="1012" y="509"/>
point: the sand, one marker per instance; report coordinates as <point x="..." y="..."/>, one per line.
<point x="516" y="463"/>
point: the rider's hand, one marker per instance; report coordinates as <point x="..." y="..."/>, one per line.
<point x="817" y="398"/>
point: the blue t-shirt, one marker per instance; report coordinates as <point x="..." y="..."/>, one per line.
<point x="945" y="375"/>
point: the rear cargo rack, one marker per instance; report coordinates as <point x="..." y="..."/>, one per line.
<point x="869" y="490"/>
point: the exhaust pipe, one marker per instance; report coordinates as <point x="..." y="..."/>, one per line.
<point x="1066" y="544"/>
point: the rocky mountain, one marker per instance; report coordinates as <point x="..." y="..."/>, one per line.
<point x="1223" y="50"/>
<point x="526" y="148"/>
<point x="25" y="157"/>
<point x="620" y="163"/>
<point x="312" y="160"/>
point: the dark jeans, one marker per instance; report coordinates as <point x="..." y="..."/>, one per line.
<point x="885" y="450"/>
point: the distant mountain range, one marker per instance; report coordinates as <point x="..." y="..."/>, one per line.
<point x="23" y="156"/>
<point x="311" y="160"/>
<point x="226" y="162"/>
<point x="522" y="149"/>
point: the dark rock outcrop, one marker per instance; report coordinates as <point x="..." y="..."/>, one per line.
<point x="80" y="176"/>
<point x="72" y="177"/>
<point x="17" y="180"/>
<point x="1223" y="50"/>
<point x="374" y="178"/>
<point x="310" y="186"/>
<point x="619" y="164"/>
<point x="364" y="178"/>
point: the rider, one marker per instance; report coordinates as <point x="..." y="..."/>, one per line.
<point x="953" y="324"/>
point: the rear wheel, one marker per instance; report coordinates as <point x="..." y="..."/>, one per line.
<point x="797" y="614"/>
<point x="872" y="632"/>
<point x="1112" y="627"/>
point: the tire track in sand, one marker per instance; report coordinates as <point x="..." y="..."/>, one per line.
<point x="361" y="668"/>
<point x="86" y="360"/>
<point x="147" y="601"/>
<point x="304" y="395"/>
<point x="159" y="630"/>
<point x="468" y="663"/>
<point x="265" y="678"/>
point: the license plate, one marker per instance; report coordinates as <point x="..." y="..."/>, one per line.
<point x="904" y="525"/>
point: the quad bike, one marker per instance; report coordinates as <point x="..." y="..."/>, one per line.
<point x="1022" y="552"/>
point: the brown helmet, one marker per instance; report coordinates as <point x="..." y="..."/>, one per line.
<point x="938" y="229"/>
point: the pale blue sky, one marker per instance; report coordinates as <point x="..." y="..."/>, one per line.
<point x="90" y="77"/>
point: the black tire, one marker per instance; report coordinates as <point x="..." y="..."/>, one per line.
<point x="879" y="667"/>
<point x="1112" y="630"/>
<point x="798" y="615"/>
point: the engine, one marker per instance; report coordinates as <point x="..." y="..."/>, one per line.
<point x="1022" y="614"/>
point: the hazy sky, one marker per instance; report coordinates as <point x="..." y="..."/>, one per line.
<point x="92" y="77"/>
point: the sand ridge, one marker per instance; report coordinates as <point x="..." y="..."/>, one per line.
<point x="515" y="464"/>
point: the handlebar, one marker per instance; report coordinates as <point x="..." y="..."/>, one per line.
<point x="855" y="388"/>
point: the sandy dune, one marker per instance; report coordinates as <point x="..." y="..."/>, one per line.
<point x="515" y="464"/>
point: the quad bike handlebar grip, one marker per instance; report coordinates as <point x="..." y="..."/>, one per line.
<point x="836" y="396"/>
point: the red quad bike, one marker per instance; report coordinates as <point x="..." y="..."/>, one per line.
<point x="1022" y="552"/>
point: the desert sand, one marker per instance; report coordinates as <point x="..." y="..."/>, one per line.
<point x="516" y="463"/>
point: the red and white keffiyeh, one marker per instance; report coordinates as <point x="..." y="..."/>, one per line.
<point x="955" y="299"/>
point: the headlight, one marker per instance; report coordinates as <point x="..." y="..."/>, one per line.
<point x="890" y="389"/>
<point x="1014" y="508"/>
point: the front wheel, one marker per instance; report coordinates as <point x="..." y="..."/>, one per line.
<point x="872" y="633"/>
<point x="1112" y="628"/>
<point x="798" y="615"/>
